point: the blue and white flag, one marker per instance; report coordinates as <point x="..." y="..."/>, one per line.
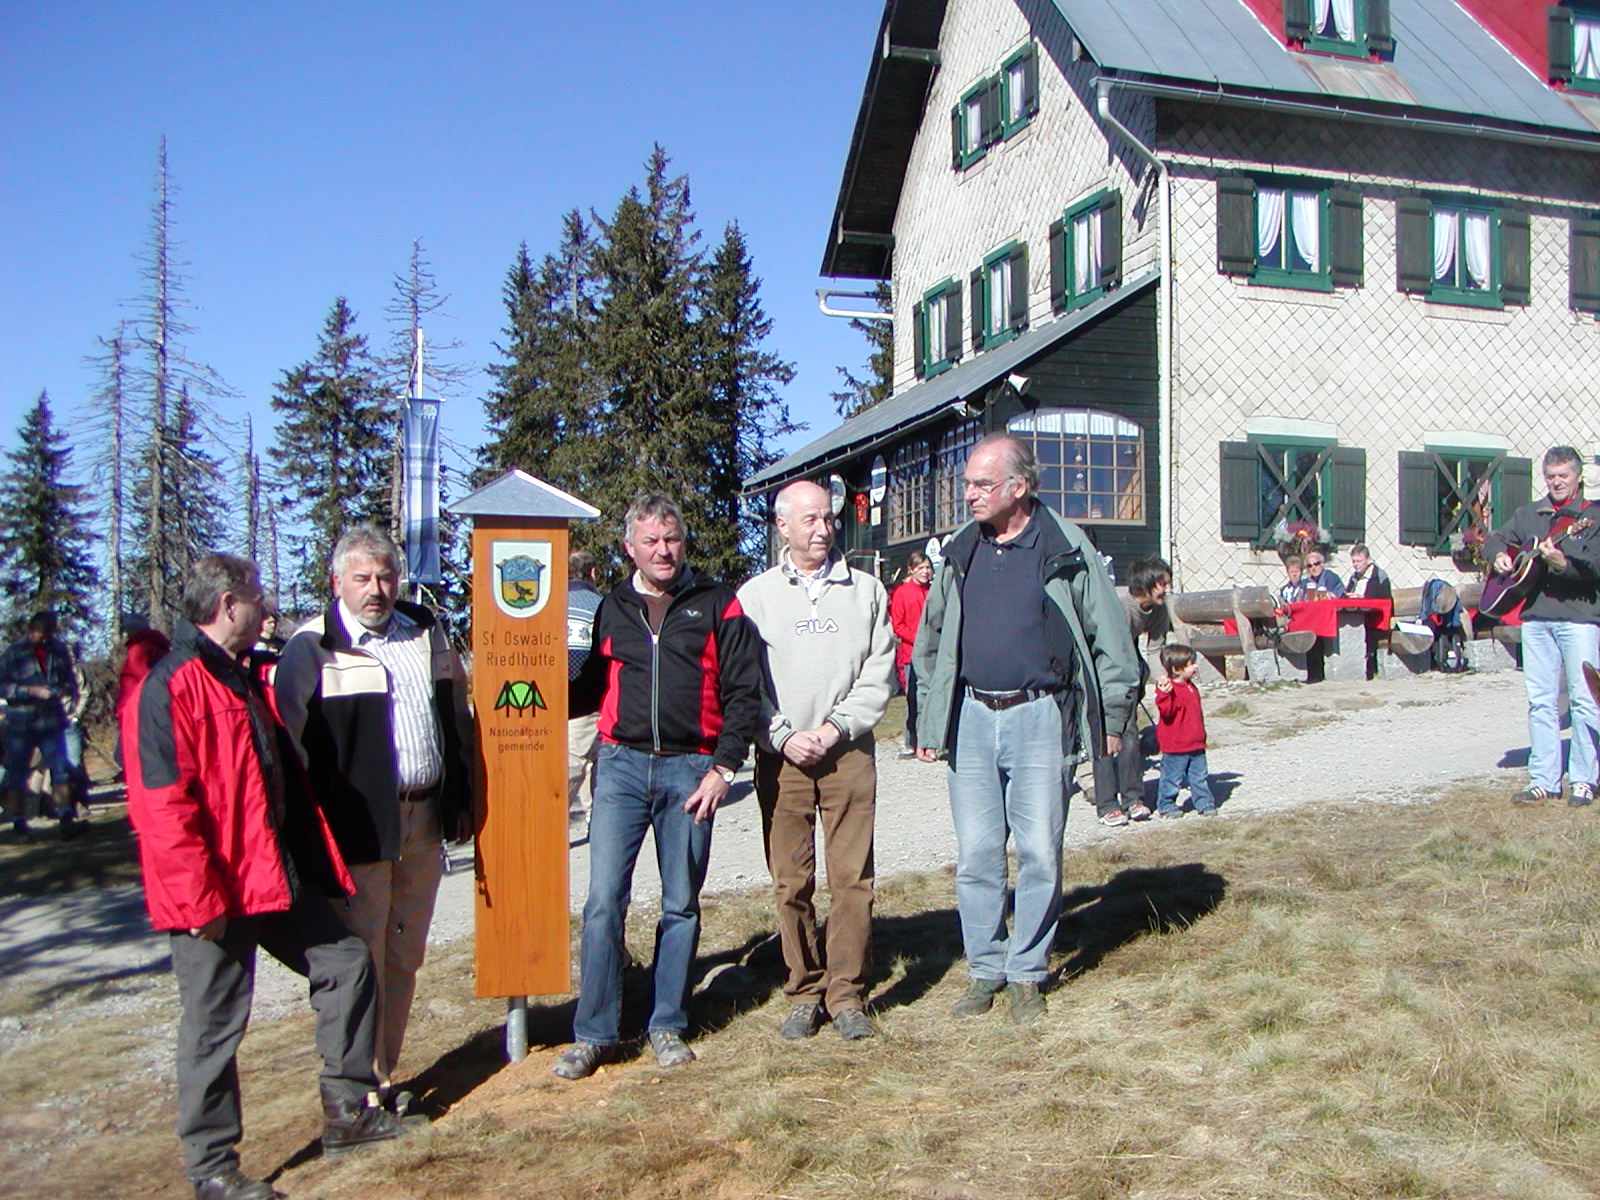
<point x="420" y="431"/>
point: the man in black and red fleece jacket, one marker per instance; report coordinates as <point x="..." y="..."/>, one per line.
<point x="676" y="676"/>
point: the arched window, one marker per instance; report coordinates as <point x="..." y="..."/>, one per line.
<point x="1091" y="464"/>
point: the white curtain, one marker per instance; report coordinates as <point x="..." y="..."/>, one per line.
<point x="1305" y="214"/>
<point x="1344" y="18"/>
<point x="1269" y="222"/>
<point x="1477" y="249"/>
<point x="1586" y="48"/>
<point x="1086" y="252"/>
<point x="1444" y="244"/>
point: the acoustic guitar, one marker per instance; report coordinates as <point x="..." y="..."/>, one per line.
<point x="1502" y="593"/>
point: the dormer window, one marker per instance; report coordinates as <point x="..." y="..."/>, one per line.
<point x="1351" y="28"/>
<point x="1575" y="46"/>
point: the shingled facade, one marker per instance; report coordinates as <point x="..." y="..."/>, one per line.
<point x="1234" y="267"/>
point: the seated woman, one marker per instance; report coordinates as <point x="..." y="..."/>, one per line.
<point x="1294" y="590"/>
<point x="1320" y="581"/>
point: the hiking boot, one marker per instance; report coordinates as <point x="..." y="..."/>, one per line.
<point x="669" y="1048"/>
<point x="579" y="1061"/>
<point x="1581" y="795"/>
<point x="1025" y="1002"/>
<point x="347" y="1127"/>
<point x="853" y="1024"/>
<point x="979" y="998"/>
<point x="1531" y="795"/>
<point x="234" y="1184"/>
<point x="803" y="1021"/>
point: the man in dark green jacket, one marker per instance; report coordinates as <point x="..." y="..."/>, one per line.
<point x="1023" y="663"/>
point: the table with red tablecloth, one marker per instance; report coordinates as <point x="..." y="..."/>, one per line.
<point x="1322" y="617"/>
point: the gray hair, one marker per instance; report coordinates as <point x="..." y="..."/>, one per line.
<point x="211" y="578"/>
<point x="1019" y="456"/>
<point x="782" y="507"/>
<point x="1562" y="456"/>
<point x="367" y="540"/>
<point x="652" y="505"/>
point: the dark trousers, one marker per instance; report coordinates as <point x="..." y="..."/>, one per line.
<point x="1119" y="779"/>
<point x="842" y="790"/>
<point x="215" y="983"/>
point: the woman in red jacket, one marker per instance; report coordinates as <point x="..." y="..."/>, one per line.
<point x="905" y="614"/>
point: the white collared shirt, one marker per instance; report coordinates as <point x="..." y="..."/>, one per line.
<point x="402" y="648"/>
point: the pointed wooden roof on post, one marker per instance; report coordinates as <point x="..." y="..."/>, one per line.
<point x="518" y="494"/>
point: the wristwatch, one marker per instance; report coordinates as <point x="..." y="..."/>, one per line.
<point x="727" y="774"/>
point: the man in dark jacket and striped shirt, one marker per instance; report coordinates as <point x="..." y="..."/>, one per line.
<point x="676" y="676"/>
<point x="375" y="700"/>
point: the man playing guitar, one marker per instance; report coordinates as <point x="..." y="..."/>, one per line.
<point x="1560" y="628"/>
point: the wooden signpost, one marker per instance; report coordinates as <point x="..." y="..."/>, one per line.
<point x="519" y="694"/>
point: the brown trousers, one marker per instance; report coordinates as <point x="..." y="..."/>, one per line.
<point x="843" y="789"/>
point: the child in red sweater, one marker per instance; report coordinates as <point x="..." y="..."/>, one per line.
<point x="1181" y="735"/>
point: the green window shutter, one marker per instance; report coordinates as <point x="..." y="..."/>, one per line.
<point x="1240" y="475"/>
<point x="1345" y="512"/>
<point x="1058" y="264"/>
<point x="1560" y="44"/>
<point x="952" y="326"/>
<point x="980" y="307"/>
<point x="1111" y="241"/>
<point x="919" y="339"/>
<point x="1346" y="237"/>
<point x="1030" y="74"/>
<point x="1516" y="486"/>
<point x="1297" y="19"/>
<point x="1419" y="499"/>
<point x="1515" y="268"/>
<point x="993" y="118"/>
<point x="1017" y="317"/>
<point x="956" y="129"/>
<point x="1380" y="33"/>
<point x="1236" y="225"/>
<point x="1413" y="232"/>
<point x="1583" y="251"/>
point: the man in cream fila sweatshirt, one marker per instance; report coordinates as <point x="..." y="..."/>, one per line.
<point x="829" y="653"/>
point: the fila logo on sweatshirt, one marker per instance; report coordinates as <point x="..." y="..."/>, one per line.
<point x="815" y="625"/>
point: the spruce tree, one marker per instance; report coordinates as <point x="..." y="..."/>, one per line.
<point x="45" y="538"/>
<point x="108" y="420"/>
<point x="332" y="443"/>
<point x="861" y="392"/>
<point x="745" y="414"/>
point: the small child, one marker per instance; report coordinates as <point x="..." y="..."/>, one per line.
<point x="1181" y="735"/>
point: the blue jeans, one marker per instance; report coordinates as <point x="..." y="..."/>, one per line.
<point x="1009" y="777"/>
<point x="1553" y="651"/>
<point x="635" y="792"/>
<point x="1179" y="769"/>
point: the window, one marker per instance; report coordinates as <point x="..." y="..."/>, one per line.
<point x="950" y="456"/>
<point x="1290" y="234"/>
<point x="1091" y="464"/>
<point x="1462" y="253"/>
<point x="1000" y="296"/>
<point x="1086" y="251"/>
<point x="995" y="107"/>
<point x="975" y="123"/>
<point x="1353" y="28"/>
<point x="1574" y="43"/>
<point x="936" y="329"/>
<point x="1019" y="89"/>
<point x="1451" y="497"/>
<point x="1271" y="486"/>
<point x="909" y="491"/>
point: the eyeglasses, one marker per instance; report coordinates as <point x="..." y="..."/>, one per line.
<point x="1313" y="562"/>
<point x="984" y="485"/>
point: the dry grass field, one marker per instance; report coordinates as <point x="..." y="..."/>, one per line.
<point x="1361" y="1001"/>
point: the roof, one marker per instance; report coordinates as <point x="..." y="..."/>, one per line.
<point x="1443" y="60"/>
<point x="518" y="494"/>
<point x="927" y="400"/>
<point x="1445" y="64"/>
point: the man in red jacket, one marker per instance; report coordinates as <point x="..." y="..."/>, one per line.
<point x="236" y="855"/>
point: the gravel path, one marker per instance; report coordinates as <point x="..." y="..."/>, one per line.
<point x="1392" y="741"/>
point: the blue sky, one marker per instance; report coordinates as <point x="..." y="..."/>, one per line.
<point x="310" y="143"/>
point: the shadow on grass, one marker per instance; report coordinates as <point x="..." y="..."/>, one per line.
<point x="1098" y="920"/>
<point x="927" y="945"/>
